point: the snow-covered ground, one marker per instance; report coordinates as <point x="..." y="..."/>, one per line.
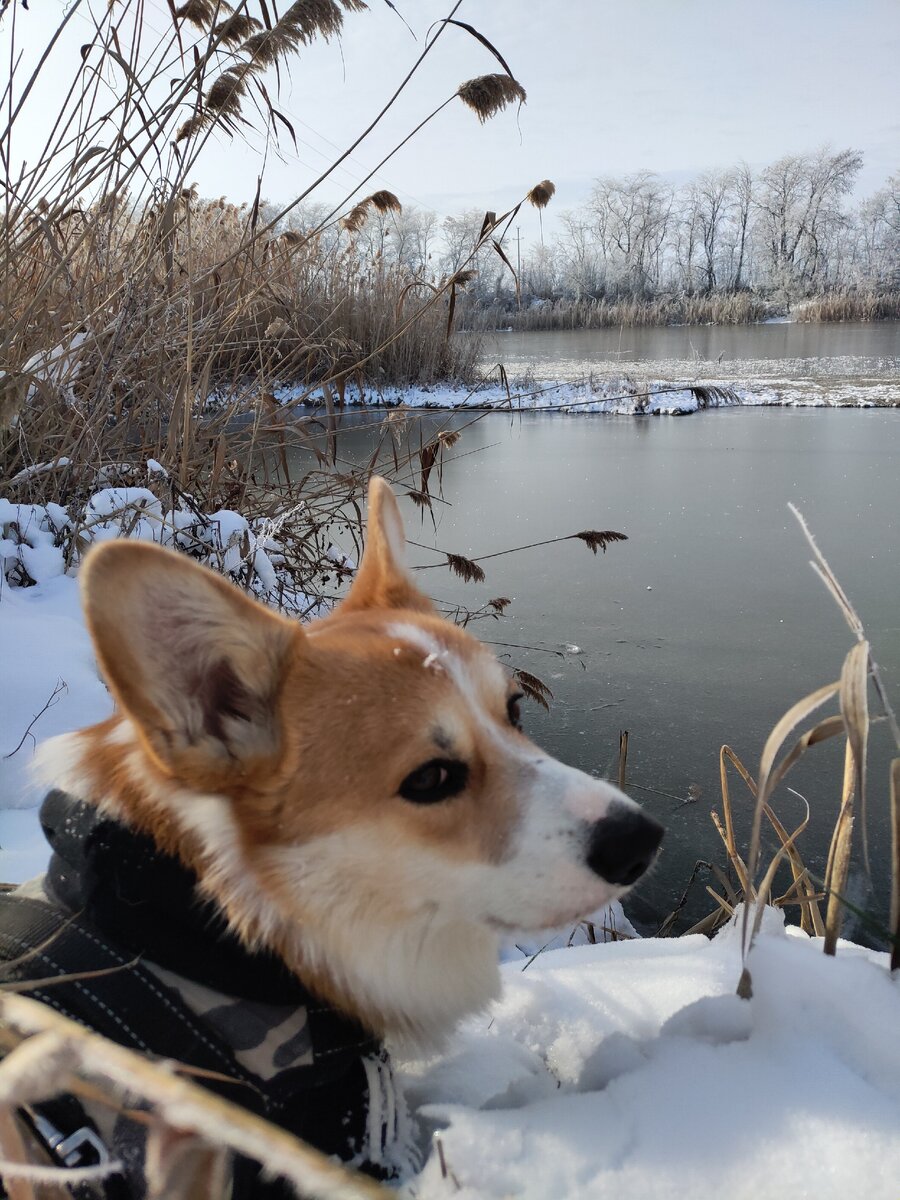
<point x="628" y="1069"/>
<point x="624" y="396"/>
<point x="632" y="1070"/>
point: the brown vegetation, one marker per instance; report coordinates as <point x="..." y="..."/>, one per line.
<point x="739" y="308"/>
<point x="850" y="305"/>
<point x="145" y="320"/>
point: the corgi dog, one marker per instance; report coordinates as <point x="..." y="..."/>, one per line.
<point x="355" y="796"/>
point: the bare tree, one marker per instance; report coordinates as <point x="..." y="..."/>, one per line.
<point x="713" y="194"/>
<point x="798" y="199"/>
<point x="580" y="258"/>
<point x="740" y="214"/>
<point x="631" y="216"/>
<point x="686" y="238"/>
<point x="414" y="239"/>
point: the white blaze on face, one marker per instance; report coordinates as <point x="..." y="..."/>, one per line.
<point x="544" y="878"/>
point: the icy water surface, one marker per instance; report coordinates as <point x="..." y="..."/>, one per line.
<point x="702" y="628"/>
<point x="802" y="363"/>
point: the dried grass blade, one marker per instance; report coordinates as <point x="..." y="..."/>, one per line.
<point x="839" y="854"/>
<point x="331" y="423"/>
<point x="12" y="1148"/>
<point x="768" y="879"/>
<point x="488" y="223"/>
<point x="721" y="901"/>
<point x="855" y="711"/>
<point x="825" y="573"/>
<point x="736" y="861"/>
<point x="795" y="714"/>
<point x="428" y="457"/>
<point x="451" y="309"/>
<point x="119" y="1072"/>
<point x="726" y="885"/>
<point x="481" y="38"/>
<point x="810" y="917"/>
<point x="497" y="246"/>
<point x="706" y="925"/>
<point x="726" y="755"/>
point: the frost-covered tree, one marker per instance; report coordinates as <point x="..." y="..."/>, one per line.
<point x="631" y="217"/>
<point x="799" y="211"/>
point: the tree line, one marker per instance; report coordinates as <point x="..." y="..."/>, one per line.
<point x="788" y="231"/>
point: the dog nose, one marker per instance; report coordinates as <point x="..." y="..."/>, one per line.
<point x="623" y="845"/>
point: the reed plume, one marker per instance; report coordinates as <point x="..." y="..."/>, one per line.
<point x="541" y="194"/>
<point x="489" y="94"/>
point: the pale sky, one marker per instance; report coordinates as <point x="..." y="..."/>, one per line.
<point x="675" y="86"/>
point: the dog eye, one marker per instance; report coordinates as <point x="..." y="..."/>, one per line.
<point x="434" y="781"/>
<point x="513" y="711"/>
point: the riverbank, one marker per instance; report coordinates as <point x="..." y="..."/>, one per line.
<point x="623" y="395"/>
<point x="734" y="308"/>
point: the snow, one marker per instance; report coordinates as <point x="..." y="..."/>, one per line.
<point x="28" y="540"/>
<point x="623" y="396"/>
<point x="631" y="1069"/>
<point x="39" y="469"/>
<point x="44" y="648"/>
<point x="627" y="1069"/>
<point x="55" y="371"/>
<point x="38" y="543"/>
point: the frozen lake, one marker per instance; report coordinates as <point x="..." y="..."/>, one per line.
<point x="808" y="362"/>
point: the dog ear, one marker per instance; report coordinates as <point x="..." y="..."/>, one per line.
<point x="383" y="579"/>
<point x="194" y="662"/>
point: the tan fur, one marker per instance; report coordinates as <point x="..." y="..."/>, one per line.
<point x="268" y="756"/>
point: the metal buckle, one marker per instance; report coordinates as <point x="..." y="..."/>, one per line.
<point x="73" y="1149"/>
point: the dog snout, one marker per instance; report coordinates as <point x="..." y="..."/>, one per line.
<point x="623" y="845"/>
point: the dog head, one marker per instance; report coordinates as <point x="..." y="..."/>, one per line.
<point x="356" y="793"/>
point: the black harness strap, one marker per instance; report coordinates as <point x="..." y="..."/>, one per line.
<point x="125" y="1003"/>
<point x="115" y="903"/>
<point x="118" y="997"/>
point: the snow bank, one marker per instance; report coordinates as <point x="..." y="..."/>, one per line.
<point x="632" y="1070"/>
<point x="624" y="396"/>
<point x="39" y="543"/>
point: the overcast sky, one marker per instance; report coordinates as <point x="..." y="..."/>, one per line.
<point x="614" y="86"/>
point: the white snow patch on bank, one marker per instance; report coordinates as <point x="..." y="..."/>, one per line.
<point x="620" y="396"/>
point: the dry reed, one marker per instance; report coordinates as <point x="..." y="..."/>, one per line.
<point x="850" y="305"/>
<point x="739" y="308"/>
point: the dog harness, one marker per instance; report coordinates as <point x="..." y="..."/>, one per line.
<point x="176" y="983"/>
